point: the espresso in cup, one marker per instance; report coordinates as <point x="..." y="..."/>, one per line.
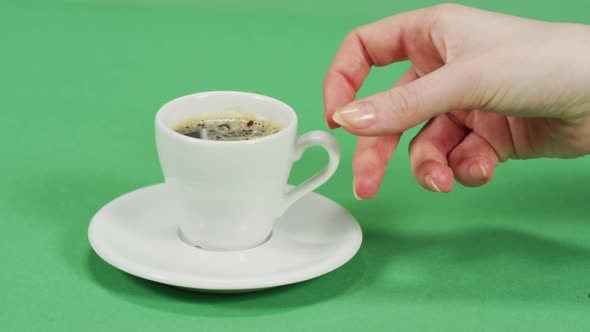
<point x="228" y="127"/>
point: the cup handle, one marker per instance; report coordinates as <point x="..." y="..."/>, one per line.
<point x="313" y="138"/>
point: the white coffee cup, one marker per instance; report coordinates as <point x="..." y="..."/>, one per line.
<point x="230" y="193"/>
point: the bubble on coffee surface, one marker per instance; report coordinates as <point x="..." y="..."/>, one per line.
<point x="228" y="127"/>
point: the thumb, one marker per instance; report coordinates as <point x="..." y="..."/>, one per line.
<point x="402" y="107"/>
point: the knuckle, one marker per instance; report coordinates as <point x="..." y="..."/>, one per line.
<point x="443" y="15"/>
<point x="403" y="102"/>
<point x="353" y="34"/>
<point x="446" y="8"/>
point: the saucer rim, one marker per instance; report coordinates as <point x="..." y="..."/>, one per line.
<point x="200" y="283"/>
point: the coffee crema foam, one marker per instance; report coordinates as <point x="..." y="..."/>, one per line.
<point x="227" y="127"/>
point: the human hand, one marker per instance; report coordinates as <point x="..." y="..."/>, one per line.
<point x="492" y="87"/>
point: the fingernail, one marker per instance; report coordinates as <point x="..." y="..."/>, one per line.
<point x="477" y="171"/>
<point x="355" y="116"/>
<point x="430" y="183"/>
<point x="354" y="190"/>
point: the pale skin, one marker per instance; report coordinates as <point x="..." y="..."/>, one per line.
<point x="491" y="87"/>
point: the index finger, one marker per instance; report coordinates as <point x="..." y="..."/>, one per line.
<point x="376" y="44"/>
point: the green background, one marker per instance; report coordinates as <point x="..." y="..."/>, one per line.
<point x="80" y="82"/>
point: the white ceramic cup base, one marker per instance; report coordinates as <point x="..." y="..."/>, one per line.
<point x="183" y="238"/>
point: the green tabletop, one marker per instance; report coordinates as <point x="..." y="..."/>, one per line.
<point x="80" y="82"/>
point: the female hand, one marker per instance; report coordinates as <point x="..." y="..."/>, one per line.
<point x="492" y="87"/>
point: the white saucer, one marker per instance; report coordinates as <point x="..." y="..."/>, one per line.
<point x="137" y="233"/>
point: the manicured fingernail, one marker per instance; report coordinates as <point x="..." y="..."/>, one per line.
<point x="354" y="190"/>
<point x="355" y="116"/>
<point x="477" y="171"/>
<point x="430" y="183"/>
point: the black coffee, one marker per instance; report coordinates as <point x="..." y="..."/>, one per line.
<point x="227" y="127"/>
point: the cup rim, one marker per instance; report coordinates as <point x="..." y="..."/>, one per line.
<point x="169" y="131"/>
